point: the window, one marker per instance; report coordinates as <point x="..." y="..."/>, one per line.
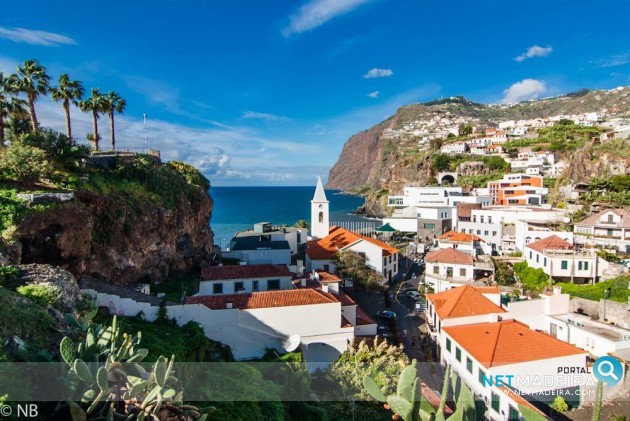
<point x="239" y="286"/>
<point x="530" y="254"/>
<point x="458" y="354"/>
<point x="582" y="265"/>
<point x="489" y="219"/>
<point x="436" y="270"/>
<point x="326" y="268"/>
<point x="610" y="218"/>
<point x="217" y="288"/>
<point x="273" y="284"/>
<point x="429" y="226"/>
<point x="478" y="232"/>
<point x="462" y="271"/>
<point x="494" y="233"/>
<point x="448" y="344"/>
<point x="585" y="265"/>
<point x="469" y="365"/>
<point x="439" y="326"/>
<point x="545" y="261"/>
<point x="321" y="217"/>
<point x="481" y="375"/>
<point x="513" y="414"/>
<point x="564" y="265"/>
<point x="485" y="233"/>
<point x="496" y="402"/>
<point x="537" y="258"/>
<point x="255" y="285"/>
<point x="481" y="219"/>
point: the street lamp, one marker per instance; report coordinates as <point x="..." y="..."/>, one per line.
<point x="606" y="295"/>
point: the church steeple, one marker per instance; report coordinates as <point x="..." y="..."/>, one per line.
<point x="319" y="212"/>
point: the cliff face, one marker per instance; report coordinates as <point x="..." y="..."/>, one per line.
<point x="124" y="242"/>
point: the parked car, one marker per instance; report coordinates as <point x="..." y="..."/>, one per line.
<point x="385" y="315"/>
<point x="414" y="295"/>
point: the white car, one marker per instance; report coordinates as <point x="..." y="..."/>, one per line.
<point x="414" y="295"/>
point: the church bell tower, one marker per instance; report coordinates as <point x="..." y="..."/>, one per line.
<point x="319" y="212"/>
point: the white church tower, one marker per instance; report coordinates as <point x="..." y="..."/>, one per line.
<point x="319" y="212"/>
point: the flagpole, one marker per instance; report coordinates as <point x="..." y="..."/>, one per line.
<point x="144" y="117"/>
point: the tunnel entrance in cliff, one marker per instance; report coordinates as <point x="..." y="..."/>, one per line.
<point x="43" y="247"/>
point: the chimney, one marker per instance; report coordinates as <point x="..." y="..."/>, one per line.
<point x="303" y="282"/>
<point x="228" y="305"/>
<point x="557" y="290"/>
<point x="325" y="288"/>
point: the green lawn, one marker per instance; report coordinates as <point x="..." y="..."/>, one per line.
<point x="618" y="289"/>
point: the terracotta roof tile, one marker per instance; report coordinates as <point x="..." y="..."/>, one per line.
<point x="339" y="239"/>
<point x="216" y="273"/>
<point x="449" y="255"/>
<point x="363" y="318"/>
<point x="460" y="237"/>
<point x="594" y="219"/>
<point x="552" y="242"/>
<point x="464" y="301"/>
<point x="327" y="277"/>
<point x="264" y="299"/>
<point x="508" y="342"/>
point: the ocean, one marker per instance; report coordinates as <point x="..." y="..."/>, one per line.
<point x="238" y="208"/>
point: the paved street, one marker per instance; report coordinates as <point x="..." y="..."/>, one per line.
<point x="406" y="319"/>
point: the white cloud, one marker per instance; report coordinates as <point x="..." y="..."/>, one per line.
<point x="374" y="94"/>
<point x="35" y="37"/>
<point x="264" y="116"/>
<point x="535" y="51"/>
<point x="615" y="60"/>
<point x="317" y="12"/>
<point x="524" y="90"/>
<point x="376" y="72"/>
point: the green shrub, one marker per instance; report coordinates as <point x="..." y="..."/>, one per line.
<point x="24" y="163"/>
<point x="26" y="321"/>
<point x="9" y="277"/>
<point x="191" y="174"/>
<point x="532" y="279"/>
<point x="618" y="289"/>
<point x="43" y="295"/>
<point x="559" y="405"/>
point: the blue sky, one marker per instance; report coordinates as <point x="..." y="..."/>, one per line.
<point x="259" y="93"/>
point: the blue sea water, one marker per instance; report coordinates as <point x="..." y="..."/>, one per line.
<point x="238" y="208"/>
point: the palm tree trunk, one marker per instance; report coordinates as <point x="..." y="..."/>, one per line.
<point x="95" y="134"/>
<point x="66" y="108"/>
<point x="1" y="129"/>
<point x="111" y="127"/>
<point x="31" y="107"/>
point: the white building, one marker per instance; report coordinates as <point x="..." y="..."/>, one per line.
<point x="320" y="212"/>
<point x="527" y="232"/>
<point x="448" y="268"/>
<point x="560" y="261"/>
<point x="219" y="280"/>
<point x="379" y="255"/>
<point x="484" y="354"/>
<point x="466" y="243"/>
<point x="609" y="229"/>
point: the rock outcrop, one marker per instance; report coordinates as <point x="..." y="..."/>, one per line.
<point x="62" y="281"/>
<point x="124" y="242"/>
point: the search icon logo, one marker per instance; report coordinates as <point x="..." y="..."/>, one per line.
<point x="608" y="369"/>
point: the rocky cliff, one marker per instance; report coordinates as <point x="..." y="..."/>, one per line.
<point x="123" y="236"/>
<point x="389" y="156"/>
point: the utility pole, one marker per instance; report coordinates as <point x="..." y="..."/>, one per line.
<point x="144" y="118"/>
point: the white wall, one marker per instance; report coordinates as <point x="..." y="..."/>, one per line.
<point x="122" y="306"/>
<point x="206" y="287"/>
<point x="403" y="224"/>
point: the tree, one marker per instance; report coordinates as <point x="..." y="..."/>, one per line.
<point x="64" y="150"/>
<point x="95" y="104"/>
<point x="9" y="104"/>
<point x="352" y="266"/>
<point x="302" y="223"/>
<point x="68" y="92"/>
<point x="24" y="163"/>
<point x="441" y="162"/>
<point x="33" y="80"/>
<point x="113" y="103"/>
<point x="465" y="129"/>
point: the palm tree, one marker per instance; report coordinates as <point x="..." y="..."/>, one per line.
<point x="32" y="80"/>
<point x="96" y="104"/>
<point x="69" y="92"/>
<point x="114" y="103"/>
<point x="9" y="104"/>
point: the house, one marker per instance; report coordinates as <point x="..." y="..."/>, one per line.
<point x="518" y="189"/>
<point x="558" y="259"/>
<point x="609" y="229"/>
<point x="467" y="243"/>
<point x="454" y="148"/>
<point x="495" y="149"/>
<point x="448" y="268"/>
<point x="504" y="360"/>
<point x="460" y="306"/>
<point x="379" y="255"/>
<point x="528" y="231"/>
<point x="219" y="280"/>
<point x="265" y="243"/>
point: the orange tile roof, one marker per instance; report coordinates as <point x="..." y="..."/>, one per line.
<point x="326" y="277"/>
<point x="508" y="342"/>
<point x="264" y="299"/>
<point x="215" y="273"/>
<point x="449" y="256"/>
<point x="464" y="301"/>
<point x="363" y="318"/>
<point x="459" y="237"/>
<point x="552" y="242"/>
<point x="339" y="239"/>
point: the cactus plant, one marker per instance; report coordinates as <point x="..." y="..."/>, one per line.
<point x="406" y="403"/>
<point x="105" y="375"/>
